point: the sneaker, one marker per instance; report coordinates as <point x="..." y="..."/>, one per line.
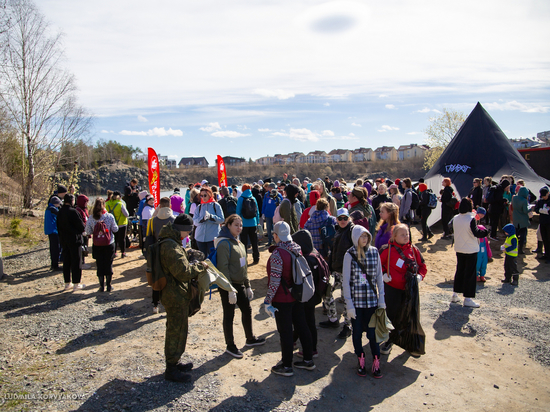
<point x="124" y="255"/>
<point x="303" y="364"/>
<point x="234" y="351"/>
<point x="109" y="288"/>
<point x="470" y="303"/>
<point x="376" y="372"/>
<point x="255" y="342"/>
<point x="455" y="298"/>
<point x="116" y="255"/>
<point x="279" y="369"/>
<point x="79" y="286"/>
<point x="385" y="348"/>
<point x="430" y="235"/>
<point x="68" y="286"/>
<point x="478" y="278"/>
<point x="86" y="266"/>
<point x="155" y="309"/>
<point x="301" y="354"/>
<point x="482" y="279"/>
<point x="361" y="371"/>
<point x="329" y="324"/>
<point x="345" y="332"/>
<point x="101" y="289"/>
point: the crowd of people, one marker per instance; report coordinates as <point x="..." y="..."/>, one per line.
<point x="355" y="237"/>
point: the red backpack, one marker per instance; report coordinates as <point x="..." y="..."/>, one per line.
<point x="102" y="234"/>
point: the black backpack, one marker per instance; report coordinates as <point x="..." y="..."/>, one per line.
<point x="230" y="205"/>
<point x="490" y="198"/>
<point x="321" y="275"/>
<point x="249" y="208"/>
<point x="415" y="200"/>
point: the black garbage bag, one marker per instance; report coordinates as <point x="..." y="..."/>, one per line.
<point x="408" y="333"/>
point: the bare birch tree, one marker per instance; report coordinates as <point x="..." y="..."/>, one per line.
<point x="440" y="132"/>
<point x="38" y="93"/>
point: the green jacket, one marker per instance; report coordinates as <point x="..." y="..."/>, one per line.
<point x="230" y="253"/>
<point x="520" y="205"/>
<point x="286" y="209"/>
<point x="175" y="265"/>
<point x="382" y="324"/>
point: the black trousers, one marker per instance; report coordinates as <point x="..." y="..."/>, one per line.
<point x="54" y="249"/>
<point x="522" y="237"/>
<point x="465" y="275"/>
<point x="229" y="314"/>
<point x="72" y="258"/>
<point x="309" y="311"/>
<point x="250" y="233"/>
<point x="120" y="239"/>
<point x="286" y="317"/>
<point x="495" y="219"/>
<point x="104" y="256"/>
<point x="394" y="302"/>
<point x="424" y="221"/>
<point x="510" y="266"/>
<point x="446" y="216"/>
<point x="545" y="233"/>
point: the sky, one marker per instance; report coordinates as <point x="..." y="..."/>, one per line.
<point x="251" y="78"/>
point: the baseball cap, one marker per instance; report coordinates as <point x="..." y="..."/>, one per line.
<point x="282" y="229"/>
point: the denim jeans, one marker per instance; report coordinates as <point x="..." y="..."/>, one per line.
<point x="269" y="227"/>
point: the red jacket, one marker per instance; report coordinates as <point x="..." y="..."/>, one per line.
<point x="398" y="267"/>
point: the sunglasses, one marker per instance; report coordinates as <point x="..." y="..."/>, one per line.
<point x="205" y="195"/>
<point x="343" y="218"/>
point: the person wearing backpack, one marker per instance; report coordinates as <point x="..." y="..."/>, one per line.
<point x="117" y="208"/>
<point x="279" y="302"/>
<point x="358" y="199"/>
<point x="287" y="208"/>
<point x="271" y="200"/>
<point x="231" y="261"/>
<point x="102" y="226"/>
<point x="175" y="295"/>
<point x="320" y="219"/>
<point x="321" y="276"/>
<point x="247" y="209"/>
<point x="397" y="258"/>
<point x="50" y="229"/>
<point x="363" y="287"/>
<point x="426" y="211"/>
<point x="228" y="202"/>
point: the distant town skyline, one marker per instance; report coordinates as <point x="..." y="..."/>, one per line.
<point x="252" y="79"/>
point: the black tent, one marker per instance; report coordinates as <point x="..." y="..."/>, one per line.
<point x="479" y="149"/>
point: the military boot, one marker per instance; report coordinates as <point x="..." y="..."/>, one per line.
<point x="515" y="279"/>
<point x="173" y="374"/>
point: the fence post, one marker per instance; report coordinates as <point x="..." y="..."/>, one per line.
<point x="2" y="274"/>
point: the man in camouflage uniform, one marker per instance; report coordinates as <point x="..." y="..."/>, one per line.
<point x="175" y="296"/>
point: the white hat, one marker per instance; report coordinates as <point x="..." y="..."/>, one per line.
<point x="342" y="212"/>
<point x="282" y="229"/>
<point x="204" y="182"/>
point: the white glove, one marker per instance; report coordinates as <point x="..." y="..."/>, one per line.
<point x="420" y="278"/>
<point x="351" y="313"/>
<point x="543" y="211"/>
<point x="381" y="305"/>
<point x="249" y="294"/>
<point x="386" y="277"/>
<point x="232" y="298"/>
<point x="502" y="247"/>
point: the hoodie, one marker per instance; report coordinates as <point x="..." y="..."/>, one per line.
<point x="357" y="289"/>
<point x="247" y="194"/>
<point x="314" y="196"/>
<point x="520" y="206"/>
<point x="50" y="220"/>
<point x="317" y="220"/>
<point x="231" y="253"/>
<point x="81" y="201"/>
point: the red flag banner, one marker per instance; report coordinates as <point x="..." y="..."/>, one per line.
<point x="222" y="176"/>
<point x="154" y="174"/>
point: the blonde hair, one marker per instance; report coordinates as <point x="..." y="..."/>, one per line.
<point x="397" y="228"/>
<point x="393" y="220"/>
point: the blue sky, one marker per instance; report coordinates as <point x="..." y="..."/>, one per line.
<point x="254" y="78"/>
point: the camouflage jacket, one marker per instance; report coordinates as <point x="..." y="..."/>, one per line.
<point x="177" y="268"/>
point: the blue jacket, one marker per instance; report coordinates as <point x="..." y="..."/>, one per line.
<point x="50" y="219"/>
<point x="269" y="205"/>
<point x="140" y="208"/>
<point x="207" y="230"/>
<point x="510" y="230"/>
<point x="248" y="222"/>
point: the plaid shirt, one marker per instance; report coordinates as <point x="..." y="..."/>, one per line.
<point x="361" y="292"/>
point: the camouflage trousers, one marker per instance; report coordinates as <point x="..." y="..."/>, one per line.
<point x="176" y="332"/>
<point x="330" y="303"/>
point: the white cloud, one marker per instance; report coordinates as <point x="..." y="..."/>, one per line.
<point x="264" y="130"/>
<point x="383" y="95"/>
<point x="327" y="104"/>
<point x="211" y="127"/>
<point x="351" y="137"/>
<point x="280" y="134"/>
<point x="413" y="133"/>
<point x="514" y="105"/>
<point x="278" y="93"/>
<point x="390" y="106"/>
<point x="229" y="134"/>
<point x="141" y="118"/>
<point x="104" y="131"/>
<point x="352" y="134"/>
<point x="356" y="124"/>
<point x="386" y="128"/>
<point x="427" y="110"/>
<point x="242" y="127"/>
<point x="302" y="135"/>
<point x="328" y="133"/>
<point x="156" y="131"/>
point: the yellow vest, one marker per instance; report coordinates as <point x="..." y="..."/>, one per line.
<point x="508" y="243"/>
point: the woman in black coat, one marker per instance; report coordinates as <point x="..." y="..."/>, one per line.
<point x="447" y="212"/>
<point x="476" y="193"/>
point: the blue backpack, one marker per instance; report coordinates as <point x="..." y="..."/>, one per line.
<point x="213" y="255"/>
<point x="326" y="232"/>
<point x="432" y="203"/>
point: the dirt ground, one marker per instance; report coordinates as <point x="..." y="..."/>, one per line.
<point x="473" y="361"/>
